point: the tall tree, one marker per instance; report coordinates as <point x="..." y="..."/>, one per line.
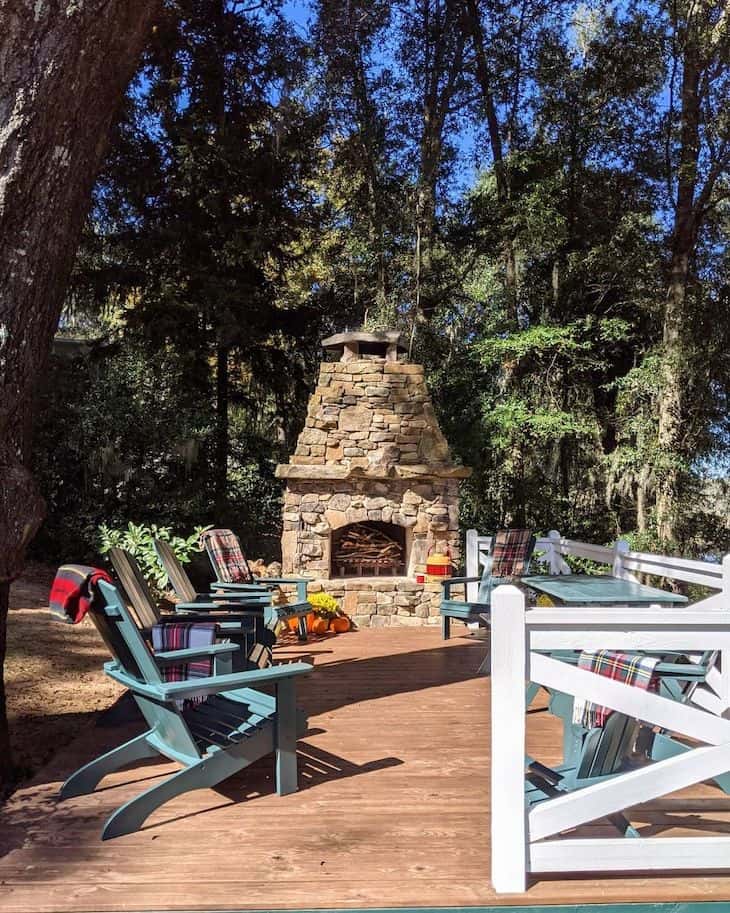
<point x="697" y="163"/>
<point x="65" y="67"/>
<point x="204" y="206"/>
<point x="432" y="44"/>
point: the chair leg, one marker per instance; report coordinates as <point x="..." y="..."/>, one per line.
<point x="286" y="738"/>
<point x="445" y="627"/>
<point x="87" y="777"/>
<point x="531" y="693"/>
<point x="302" y="628"/>
<point x="200" y="775"/>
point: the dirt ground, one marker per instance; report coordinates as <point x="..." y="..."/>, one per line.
<point x="53" y="673"/>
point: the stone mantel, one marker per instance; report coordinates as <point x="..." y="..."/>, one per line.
<point x="324" y="473"/>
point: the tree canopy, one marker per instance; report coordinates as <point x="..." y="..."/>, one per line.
<point x="535" y="193"/>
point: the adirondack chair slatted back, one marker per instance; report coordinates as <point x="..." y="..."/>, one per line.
<point x="226" y="556"/>
<point x="135" y="586"/>
<point x="607" y="748"/>
<point x="176" y="574"/>
<point x="509" y="557"/>
<point x="114" y="642"/>
<point x="127" y="646"/>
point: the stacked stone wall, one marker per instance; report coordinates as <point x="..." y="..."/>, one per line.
<point x="371" y="450"/>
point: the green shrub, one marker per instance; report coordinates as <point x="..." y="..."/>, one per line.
<point x="139" y="539"/>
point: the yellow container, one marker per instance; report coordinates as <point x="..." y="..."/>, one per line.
<point x="439" y="566"/>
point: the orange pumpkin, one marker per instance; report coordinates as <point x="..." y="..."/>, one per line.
<point x="340" y="624"/>
<point x="320" y="626"/>
<point x="292" y="623"/>
<point x="311" y="618"/>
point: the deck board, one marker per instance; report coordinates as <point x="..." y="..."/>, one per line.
<point x="393" y="809"/>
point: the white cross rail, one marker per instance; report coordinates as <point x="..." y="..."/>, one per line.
<point x="524" y="843"/>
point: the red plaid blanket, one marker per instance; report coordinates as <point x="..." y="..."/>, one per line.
<point x="227" y="556"/>
<point x="182" y="637"/>
<point x="511" y="552"/>
<point x="634" y="669"/>
<point x="73" y="591"/>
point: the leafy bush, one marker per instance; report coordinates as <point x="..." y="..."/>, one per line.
<point x="139" y="540"/>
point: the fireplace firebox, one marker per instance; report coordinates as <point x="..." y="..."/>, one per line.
<point x="369" y="549"/>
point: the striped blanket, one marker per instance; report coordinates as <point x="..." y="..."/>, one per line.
<point x="631" y="668"/>
<point x="227" y="556"/>
<point x="511" y="552"/>
<point x="184" y="636"/>
<point x="73" y="591"/>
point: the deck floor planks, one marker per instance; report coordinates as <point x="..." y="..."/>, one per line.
<point x="393" y="810"/>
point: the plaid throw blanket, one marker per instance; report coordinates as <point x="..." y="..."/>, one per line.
<point x="73" y="592"/>
<point x="225" y="551"/>
<point x="184" y="636"/>
<point x="511" y="552"/>
<point x="631" y="668"/>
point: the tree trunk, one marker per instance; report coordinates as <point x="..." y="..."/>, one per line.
<point x="473" y="27"/>
<point x="675" y="317"/>
<point x="64" y="68"/>
<point x="6" y="756"/>
<point x="443" y="67"/>
<point x="221" y="430"/>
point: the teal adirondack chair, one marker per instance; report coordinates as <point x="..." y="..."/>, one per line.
<point x="242" y="622"/>
<point x="235" y="724"/>
<point x="236" y="563"/>
<point x="520" y="544"/>
<point x="591" y="754"/>
<point x="252" y="595"/>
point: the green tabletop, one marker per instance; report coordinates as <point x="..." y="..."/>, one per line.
<point x="584" y="589"/>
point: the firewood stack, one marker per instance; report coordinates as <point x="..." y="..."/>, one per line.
<point x="368" y="549"/>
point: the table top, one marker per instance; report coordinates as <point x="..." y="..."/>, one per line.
<point x="586" y="589"/>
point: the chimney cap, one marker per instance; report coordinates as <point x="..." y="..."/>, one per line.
<point x="359" y="343"/>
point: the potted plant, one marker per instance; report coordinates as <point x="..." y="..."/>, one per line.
<point x="328" y="615"/>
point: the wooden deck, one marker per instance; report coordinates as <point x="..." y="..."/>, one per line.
<point x="393" y="809"/>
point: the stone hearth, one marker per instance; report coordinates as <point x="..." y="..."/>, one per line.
<point x="371" y="457"/>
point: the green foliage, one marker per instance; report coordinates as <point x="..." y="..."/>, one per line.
<point x="267" y="187"/>
<point x="138" y="539"/>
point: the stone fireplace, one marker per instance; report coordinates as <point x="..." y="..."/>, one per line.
<point x="371" y="487"/>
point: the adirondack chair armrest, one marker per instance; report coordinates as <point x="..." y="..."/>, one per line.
<point x="166" y="657"/>
<point x="228" y="621"/>
<point x="213" y="684"/>
<point x="259" y="587"/>
<point x="300" y="582"/>
<point x="207" y="610"/>
<point x="293" y="608"/>
<point x="251" y="597"/>
<point x="456" y="581"/>
<point x="217" y="683"/>
<point x="690" y="672"/>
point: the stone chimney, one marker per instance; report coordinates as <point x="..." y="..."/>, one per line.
<point x="371" y="487"/>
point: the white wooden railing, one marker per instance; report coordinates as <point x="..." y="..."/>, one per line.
<point x="553" y="548"/>
<point x="525" y="843"/>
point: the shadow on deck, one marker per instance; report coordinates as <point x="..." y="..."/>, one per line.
<point x="393" y="807"/>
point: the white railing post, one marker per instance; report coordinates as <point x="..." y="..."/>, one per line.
<point x="509" y="673"/>
<point x="556" y="559"/>
<point x="619" y="550"/>
<point x="725" y="654"/>
<point x="472" y="564"/>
